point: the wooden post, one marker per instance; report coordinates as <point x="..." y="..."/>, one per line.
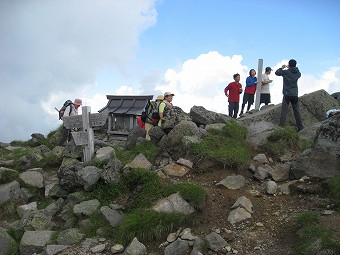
<point x="259" y="85"/>
<point x="89" y="149"/>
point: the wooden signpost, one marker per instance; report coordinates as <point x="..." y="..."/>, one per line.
<point x="86" y="122"/>
<point x="258" y="85"/>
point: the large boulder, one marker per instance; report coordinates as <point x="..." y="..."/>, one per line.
<point x="7" y="243"/>
<point x="313" y="107"/>
<point x="67" y="174"/>
<point x="184" y="128"/>
<point x="201" y="116"/>
<point x="134" y="134"/>
<point x="323" y="160"/>
<point x="173" y="116"/>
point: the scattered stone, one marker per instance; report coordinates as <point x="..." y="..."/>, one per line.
<point x="271" y="187"/>
<point x="117" y="248"/>
<point x="140" y="161"/>
<point x="174" y="169"/>
<point x="215" y="242"/>
<point x="135" y="248"/>
<point x="261" y="158"/>
<point x="98" y="248"/>
<point x="33" y="178"/>
<point x="233" y="182"/>
<point x="86" y="207"/>
<point x="174" y="203"/>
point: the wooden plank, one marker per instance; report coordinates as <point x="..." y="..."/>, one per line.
<point x="98" y="119"/>
<point x="89" y="148"/>
<point x="80" y="138"/>
<point x="73" y="121"/>
<point x="259" y="84"/>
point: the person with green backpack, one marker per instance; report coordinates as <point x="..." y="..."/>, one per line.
<point x="152" y="115"/>
<point x="167" y="102"/>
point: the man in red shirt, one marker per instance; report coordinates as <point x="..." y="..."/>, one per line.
<point x="233" y="91"/>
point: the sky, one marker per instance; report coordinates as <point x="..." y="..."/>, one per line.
<point x="54" y="50"/>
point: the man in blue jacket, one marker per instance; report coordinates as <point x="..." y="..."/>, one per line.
<point x="290" y="75"/>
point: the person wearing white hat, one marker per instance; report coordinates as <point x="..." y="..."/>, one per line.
<point x="70" y="110"/>
<point x="167" y="102"/>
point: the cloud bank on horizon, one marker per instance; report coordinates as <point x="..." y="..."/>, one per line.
<point x="54" y="50"/>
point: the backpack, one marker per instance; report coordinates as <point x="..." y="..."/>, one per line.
<point x="63" y="108"/>
<point x="150" y="113"/>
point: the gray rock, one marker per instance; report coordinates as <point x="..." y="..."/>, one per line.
<point x="215" y="242"/>
<point x="98" y="248"/>
<point x="37" y="220"/>
<point x="184" y="128"/>
<point x="178" y="247"/>
<point x="104" y="154"/>
<point x="156" y="133"/>
<point x="22" y="209"/>
<point x="117" y="248"/>
<point x="132" y="137"/>
<point x="326" y="152"/>
<point x="258" y="132"/>
<point x="55" y="190"/>
<point x="261" y="172"/>
<point x="34" y="241"/>
<point x="280" y="172"/>
<point x="244" y="203"/>
<point x="271" y="187"/>
<point x="10" y="192"/>
<point x="215" y="127"/>
<point x="112" y="170"/>
<point x="173" y="116"/>
<point x="86" y="207"/>
<point x="261" y="158"/>
<point x="140" y="161"/>
<point x="67" y="174"/>
<point x="114" y="217"/>
<point x="54" y="249"/>
<point x="174" y="203"/>
<point x="135" y="248"/>
<point x="201" y="116"/>
<point x="197" y="248"/>
<point x="7" y="174"/>
<point x="237" y="215"/>
<point x="88" y="177"/>
<point x="32" y="178"/>
<point x="70" y="236"/>
<point x="233" y="182"/>
<point x="7" y="243"/>
<point x="185" y="162"/>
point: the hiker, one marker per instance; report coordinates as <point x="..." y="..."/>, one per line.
<point x="265" y="91"/>
<point x="71" y="110"/>
<point x="249" y="91"/>
<point x="167" y="102"/>
<point x="150" y="121"/>
<point x="233" y="91"/>
<point x="290" y="74"/>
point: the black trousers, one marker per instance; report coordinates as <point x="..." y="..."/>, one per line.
<point x="233" y="109"/>
<point x="66" y="135"/>
<point x="294" y="100"/>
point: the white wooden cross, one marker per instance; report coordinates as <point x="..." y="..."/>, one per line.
<point x="86" y="122"/>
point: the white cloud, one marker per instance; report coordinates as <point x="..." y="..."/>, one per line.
<point x="52" y="50"/>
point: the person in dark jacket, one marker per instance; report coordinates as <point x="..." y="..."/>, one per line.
<point x="290" y="75"/>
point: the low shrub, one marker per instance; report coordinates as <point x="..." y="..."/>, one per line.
<point x="310" y="235"/>
<point x="228" y="147"/>
<point x="147" y="225"/>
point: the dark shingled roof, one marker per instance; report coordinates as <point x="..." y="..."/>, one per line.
<point x="132" y="105"/>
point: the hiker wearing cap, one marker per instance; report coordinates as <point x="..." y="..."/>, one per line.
<point x="149" y="123"/>
<point x="70" y="110"/>
<point x="290" y="75"/>
<point x="167" y="102"/>
<point x="265" y="92"/>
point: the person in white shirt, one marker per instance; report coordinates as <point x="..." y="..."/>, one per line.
<point x="70" y="110"/>
<point x="265" y="91"/>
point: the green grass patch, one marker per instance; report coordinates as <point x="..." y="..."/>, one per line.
<point x="149" y="225"/>
<point x="310" y="234"/>
<point x="228" y="147"/>
<point x="193" y="193"/>
<point x="144" y="186"/>
<point x="105" y="193"/>
<point x="334" y="186"/>
<point x="8" y="211"/>
<point x="149" y="150"/>
<point x="281" y="140"/>
<point x="97" y="221"/>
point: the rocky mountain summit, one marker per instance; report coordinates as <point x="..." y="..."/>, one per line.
<point x="239" y="200"/>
